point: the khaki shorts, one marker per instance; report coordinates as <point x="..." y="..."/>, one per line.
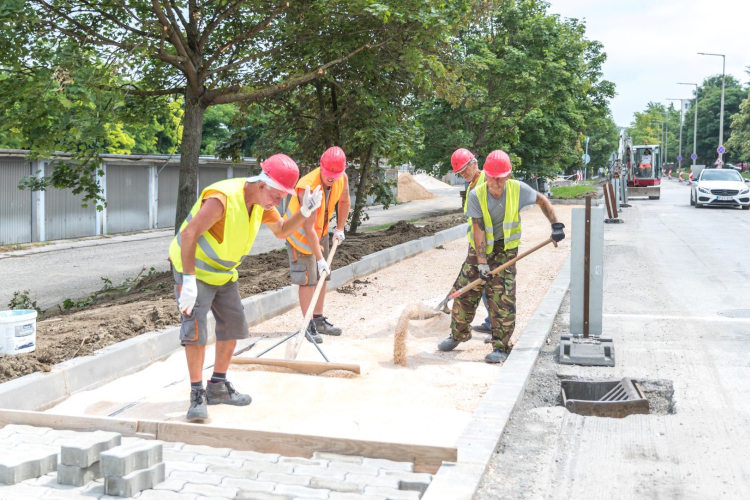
<point x="303" y="268"/>
<point x="224" y="301"/>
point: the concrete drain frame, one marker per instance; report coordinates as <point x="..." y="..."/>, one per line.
<point x="604" y="398"/>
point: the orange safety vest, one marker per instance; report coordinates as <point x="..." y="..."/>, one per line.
<point x="299" y="239"/>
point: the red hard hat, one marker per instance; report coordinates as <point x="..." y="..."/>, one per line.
<point x="497" y="164"/>
<point x="460" y="159"/>
<point x="333" y="162"/>
<point x="283" y="172"/>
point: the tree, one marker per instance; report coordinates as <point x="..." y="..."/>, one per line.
<point x="739" y="142"/>
<point x="209" y="53"/>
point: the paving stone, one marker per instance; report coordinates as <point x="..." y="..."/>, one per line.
<point x="338" y="457"/>
<point x="89" y="449"/>
<point x="21" y="490"/>
<point x="130" y="484"/>
<point x="167" y="495"/>
<point x="335" y="485"/>
<point x="173" y="465"/>
<point x="27" y="429"/>
<point x="169" y="445"/>
<point x="388" y="464"/>
<point x="78" y="476"/>
<point x="196" y="477"/>
<point x="30" y="438"/>
<point x="232" y="472"/>
<point x="354" y="468"/>
<point x="301" y="491"/>
<point x="25" y="464"/>
<point x="392" y="493"/>
<point x="259" y="495"/>
<point x="171" y="485"/>
<point x="304" y="461"/>
<point x="277" y="477"/>
<point x="6" y="433"/>
<point x="304" y="470"/>
<point x="48" y="481"/>
<point x="411" y="481"/>
<point x="268" y="467"/>
<point x="181" y="456"/>
<point x="124" y="459"/>
<point x="368" y="480"/>
<point x="255" y="456"/>
<point x="87" y="492"/>
<point x="206" y="450"/>
<point x="214" y="460"/>
<point x="335" y="495"/>
<point x="248" y="484"/>
<point x="211" y="490"/>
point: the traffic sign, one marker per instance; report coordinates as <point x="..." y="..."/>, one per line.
<point x="679" y="158"/>
<point x="718" y="162"/>
<point x="586" y="159"/>
<point x="693" y="156"/>
<point x="721" y="150"/>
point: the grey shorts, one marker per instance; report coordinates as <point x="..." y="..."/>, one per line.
<point x="304" y="268"/>
<point x="224" y="301"/>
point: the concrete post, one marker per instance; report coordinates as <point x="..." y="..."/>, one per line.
<point x="596" y="273"/>
<point x="153" y="189"/>
<point x="37" y="205"/>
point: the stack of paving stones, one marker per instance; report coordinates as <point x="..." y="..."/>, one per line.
<point x="132" y="468"/>
<point x="205" y="473"/>
<point x="79" y="462"/>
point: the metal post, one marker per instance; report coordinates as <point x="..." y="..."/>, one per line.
<point x="586" y="268"/>
<point x="682" y="120"/>
<point x="586" y="165"/>
<point x="695" y="123"/>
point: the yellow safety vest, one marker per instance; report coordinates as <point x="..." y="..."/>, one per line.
<point x="481" y="180"/>
<point x="215" y="263"/>
<point x="511" y="223"/>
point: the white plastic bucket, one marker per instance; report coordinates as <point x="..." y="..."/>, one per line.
<point x="17" y="331"/>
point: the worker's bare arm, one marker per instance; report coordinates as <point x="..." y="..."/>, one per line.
<point x="546" y="207"/>
<point x="480" y="242"/>
<point x="209" y="214"/>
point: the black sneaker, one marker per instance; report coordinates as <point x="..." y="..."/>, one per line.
<point x="322" y="325"/>
<point x="224" y="393"/>
<point x="313" y="335"/>
<point x="198" y="409"/>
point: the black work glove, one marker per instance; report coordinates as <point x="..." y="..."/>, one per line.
<point x="557" y="232"/>
<point x="484" y="272"/>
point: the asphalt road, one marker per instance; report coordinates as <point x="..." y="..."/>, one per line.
<point x="75" y="269"/>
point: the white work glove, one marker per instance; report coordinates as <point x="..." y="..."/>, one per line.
<point x="310" y="201"/>
<point x="188" y="294"/>
<point x="323" y="266"/>
<point x="339" y="235"/>
<point x="484" y="272"/>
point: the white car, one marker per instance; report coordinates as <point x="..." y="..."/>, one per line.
<point x="720" y="188"/>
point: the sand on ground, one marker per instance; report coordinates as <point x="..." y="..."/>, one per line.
<point x="430" y="401"/>
<point x="430" y="182"/>
<point x="411" y="190"/>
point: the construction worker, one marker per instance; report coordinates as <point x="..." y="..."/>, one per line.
<point x="644" y="167"/>
<point x="308" y="246"/>
<point x="494" y="210"/>
<point x="465" y="164"/>
<point x="213" y="240"/>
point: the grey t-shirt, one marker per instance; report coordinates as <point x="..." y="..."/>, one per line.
<point x="496" y="207"/>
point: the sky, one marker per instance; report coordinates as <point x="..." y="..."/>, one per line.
<point x="652" y="45"/>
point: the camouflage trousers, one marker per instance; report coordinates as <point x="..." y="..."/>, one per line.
<point x="501" y="297"/>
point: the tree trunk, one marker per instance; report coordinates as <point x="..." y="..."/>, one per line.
<point x="190" y="150"/>
<point x="361" y="196"/>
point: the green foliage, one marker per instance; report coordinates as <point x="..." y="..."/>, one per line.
<point x="739" y="142"/>
<point x="570" y="192"/>
<point x="21" y="300"/>
<point x="70" y="303"/>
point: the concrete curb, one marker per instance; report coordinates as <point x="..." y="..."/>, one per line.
<point x="40" y="391"/>
<point x="594" y="203"/>
<point x="478" y="442"/>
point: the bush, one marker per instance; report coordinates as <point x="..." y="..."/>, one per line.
<point x="21" y="300"/>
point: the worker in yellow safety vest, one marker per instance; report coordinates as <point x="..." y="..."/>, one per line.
<point x="214" y="239"/>
<point x="308" y="246"/>
<point x="495" y="234"/>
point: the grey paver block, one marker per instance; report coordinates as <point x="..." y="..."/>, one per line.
<point x="232" y="472"/>
<point x="304" y="461"/>
<point x="28" y="463"/>
<point x="196" y="477"/>
<point x="336" y="485"/>
<point x="87" y="492"/>
<point x="78" y="476"/>
<point x="304" y="470"/>
<point x="89" y="449"/>
<point x="259" y="495"/>
<point x="248" y="484"/>
<point x="301" y="491"/>
<point x="172" y="454"/>
<point x="282" y="467"/>
<point x="388" y="464"/>
<point x="26" y="429"/>
<point x="16" y="439"/>
<point x="206" y="450"/>
<point x="174" y="465"/>
<point x="278" y="477"/>
<point x="369" y="480"/>
<point x="211" y="490"/>
<point x="167" y="495"/>
<point x="338" y="457"/>
<point x="171" y="485"/>
<point x="411" y="481"/>
<point x="336" y="495"/>
<point x="124" y="459"/>
<point x="354" y="468"/>
<point x="214" y="460"/>
<point x="254" y="456"/>
<point x="130" y="484"/>
<point x="172" y="445"/>
<point x="392" y="493"/>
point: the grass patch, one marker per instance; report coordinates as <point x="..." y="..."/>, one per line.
<point x="745" y="175"/>
<point x="23" y="246"/>
<point x="572" y="192"/>
<point x="385" y="226"/>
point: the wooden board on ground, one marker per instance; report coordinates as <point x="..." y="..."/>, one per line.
<point x="311" y="367"/>
<point x="425" y="458"/>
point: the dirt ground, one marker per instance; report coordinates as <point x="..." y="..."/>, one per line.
<point x="114" y="316"/>
<point x="430" y="401"/>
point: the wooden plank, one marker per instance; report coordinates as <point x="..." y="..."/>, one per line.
<point x="425" y="458"/>
<point x="311" y="367"/>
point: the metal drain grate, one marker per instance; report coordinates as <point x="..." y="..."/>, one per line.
<point x="604" y="398"/>
<point x="736" y="313"/>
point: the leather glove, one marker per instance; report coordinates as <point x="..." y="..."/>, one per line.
<point x="323" y="266"/>
<point x="310" y="201"/>
<point x="557" y="232"/>
<point x="339" y="235"/>
<point x="484" y="272"/>
<point x="188" y="294"/>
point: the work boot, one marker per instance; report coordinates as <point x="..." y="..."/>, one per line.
<point x="223" y="393"/>
<point x="450" y="343"/>
<point x="497" y="355"/>
<point x="481" y="329"/>
<point x="313" y="334"/>
<point x="198" y="409"/>
<point x="322" y="325"/>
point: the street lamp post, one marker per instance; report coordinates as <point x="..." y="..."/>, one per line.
<point x="721" y="114"/>
<point x="695" y="123"/>
<point x="682" y="113"/>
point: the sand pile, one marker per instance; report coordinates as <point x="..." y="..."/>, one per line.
<point x="411" y="190"/>
<point x="417" y="310"/>
<point x="431" y="183"/>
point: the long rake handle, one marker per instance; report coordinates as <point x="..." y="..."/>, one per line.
<point x="294" y="346"/>
<point x="476" y="282"/>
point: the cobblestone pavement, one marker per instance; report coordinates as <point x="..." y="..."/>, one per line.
<point x="203" y="472"/>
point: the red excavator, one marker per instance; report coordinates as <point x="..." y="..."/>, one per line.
<point x="641" y="165"/>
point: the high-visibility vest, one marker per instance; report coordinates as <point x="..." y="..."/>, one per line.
<point x="480" y="180"/>
<point x="511" y="223"/>
<point x="299" y="239"/>
<point x="215" y="263"/>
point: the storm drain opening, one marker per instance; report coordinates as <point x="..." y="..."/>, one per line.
<point x="614" y="399"/>
<point x="735" y="313"/>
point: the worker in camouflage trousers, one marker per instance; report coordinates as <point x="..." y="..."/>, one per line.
<point x="494" y="237"/>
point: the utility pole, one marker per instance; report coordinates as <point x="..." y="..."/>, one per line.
<point x="666" y="134"/>
<point x="695" y="123"/>
<point x="682" y="119"/>
<point x="721" y="114"/>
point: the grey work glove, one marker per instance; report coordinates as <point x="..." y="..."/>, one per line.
<point x="557" y="232"/>
<point x="484" y="272"/>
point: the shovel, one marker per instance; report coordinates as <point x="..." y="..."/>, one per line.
<point x="443" y="306"/>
